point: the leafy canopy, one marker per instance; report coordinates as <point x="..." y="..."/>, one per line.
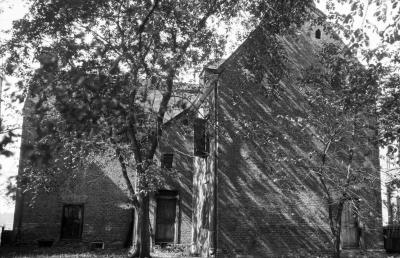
<point x="103" y="61"/>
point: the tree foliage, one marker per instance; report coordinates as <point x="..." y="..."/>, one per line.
<point x="371" y="27"/>
<point x="343" y="120"/>
<point x="101" y="61"/>
<point x="359" y="20"/>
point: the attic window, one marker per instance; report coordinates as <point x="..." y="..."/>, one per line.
<point x="200" y="141"/>
<point x="318" y="34"/>
<point x="166" y="160"/>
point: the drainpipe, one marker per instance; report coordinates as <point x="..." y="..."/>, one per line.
<point x="214" y="211"/>
<point x="216" y="167"/>
<point x="1" y="92"/>
<point x="389" y="203"/>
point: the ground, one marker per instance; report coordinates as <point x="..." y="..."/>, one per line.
<point x="62" y="252"/>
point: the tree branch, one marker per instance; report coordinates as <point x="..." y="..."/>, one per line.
<point x="147" y="18"/>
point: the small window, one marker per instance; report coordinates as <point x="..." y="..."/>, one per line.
<point x="200" y="138"/>
<point x="166" y="160"/>
<point x="318" y="34"/>
<point x="72" y="221"/>
<point x="96" y="245"/>
<point x="166" y="217"/>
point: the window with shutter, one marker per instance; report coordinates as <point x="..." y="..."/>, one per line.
<point x="167" y="160"/>
<point x="200" y="138"/>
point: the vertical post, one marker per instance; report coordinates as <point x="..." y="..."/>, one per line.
<point x="1" y="94"/>
<point x="1" y="235"/>
<point x="213" y="178"/>
<point x="389" y="203"/>
<point x="193" y="249"/>
<point x="215" y="215"/>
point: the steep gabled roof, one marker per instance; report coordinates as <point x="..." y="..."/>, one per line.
<point x="299" y="55"/>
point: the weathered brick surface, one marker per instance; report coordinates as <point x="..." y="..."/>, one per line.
<point x="99" y="188"/>
<point x="102" y="191"/>
<point x="177" y="139"/>
<point x="104" y="218"/>
<point x="269" y="204"/>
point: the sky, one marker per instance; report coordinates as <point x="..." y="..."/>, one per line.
<point x="11" y="113"/>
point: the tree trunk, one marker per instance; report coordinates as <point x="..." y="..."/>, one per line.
<point x="141" y="234"/>
<point x="337" y="243"/>
<point x="338" y="225"/>
<point x="145" y="229"/>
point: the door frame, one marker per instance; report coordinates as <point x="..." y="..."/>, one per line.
<point x="65" y="205"/>
<point x="168" y="194"/>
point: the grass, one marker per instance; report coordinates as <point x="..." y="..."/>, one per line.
<point x="68" y="252"/>
<point x="59" y="252"/>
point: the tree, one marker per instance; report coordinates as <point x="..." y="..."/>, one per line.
<point x="8" y="132"/>
<point x="8" y="135"/>
<point x="361" y="20"/>
<point x="100" y="60"/>
<point x="371" y="29"/>
<point x="342" y="118"/>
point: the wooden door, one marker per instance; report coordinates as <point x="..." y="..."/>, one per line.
<point x="349" y="234"/>
<point x="165" y="220"/>
<point x="72" y="222"/>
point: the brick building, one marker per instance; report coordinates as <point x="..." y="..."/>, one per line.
<point x="230" y="195"/>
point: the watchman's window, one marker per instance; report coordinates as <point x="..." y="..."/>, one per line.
<point x="167" y="160"/>
<point x="72" y="221"/>
<point x="318" y="34"/>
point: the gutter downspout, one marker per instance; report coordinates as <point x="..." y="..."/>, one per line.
<point x="1" y="92"/>
<point x="216" y="167"/>
<point x="214" y="211"/>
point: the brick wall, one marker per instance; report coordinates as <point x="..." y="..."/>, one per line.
<point x="178" y="139"/>
<point x="269" y="204"/>
<point x="103" y="193"/>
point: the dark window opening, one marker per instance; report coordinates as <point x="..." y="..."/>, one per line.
<point x="96" y="245"/>
<point x="45" y="243"/>
<point x="318" y="34"/>
<point x="200" y="138"/>
<point x="166" y="217"/>
<point x="72" y="221"/>
<point x="167" y="160"/>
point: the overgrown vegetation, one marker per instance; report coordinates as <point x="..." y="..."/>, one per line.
<point x="100" y="62"/>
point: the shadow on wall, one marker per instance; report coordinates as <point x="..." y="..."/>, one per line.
<point x="269" y="200"/>
<point x="104" y="217"/>
<point x="177" y="139"/>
